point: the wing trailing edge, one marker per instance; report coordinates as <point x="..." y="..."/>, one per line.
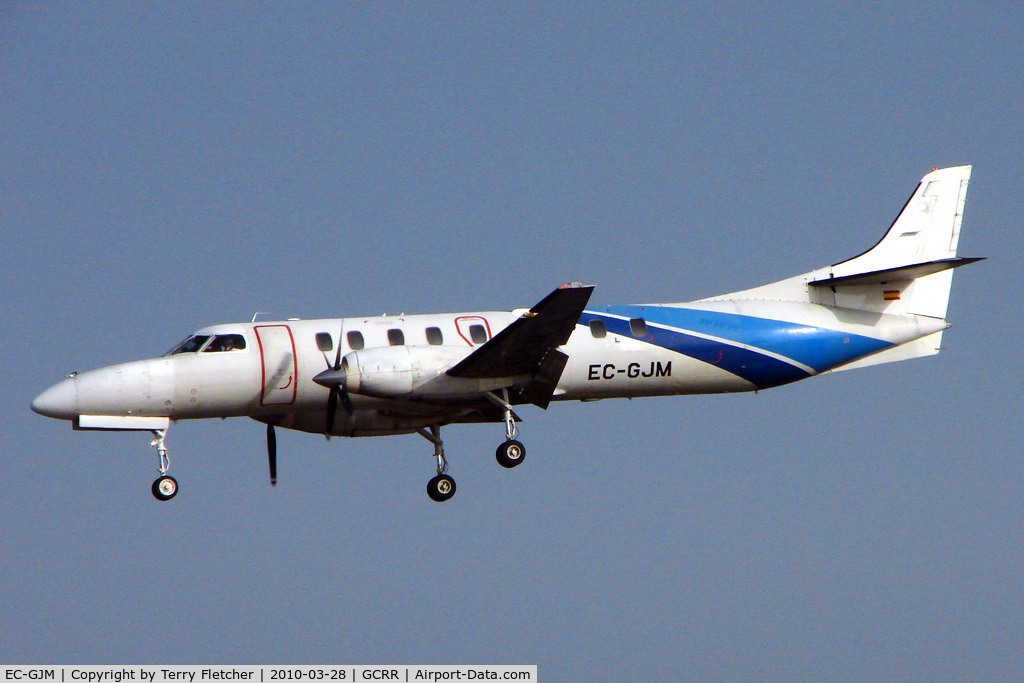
<point x="528" y="348"/>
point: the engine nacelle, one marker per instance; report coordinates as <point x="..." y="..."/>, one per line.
<point x="397" y="371"/>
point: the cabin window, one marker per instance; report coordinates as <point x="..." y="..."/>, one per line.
<point x="355" y="340"/>
<point x="226" y="342"/>
<point x="434" y="336"/>
<point x="638" y="327"/>
<point x="478" y="333"/>
<point x="396" y="337"/>
<point x="190" y="345"/>
<point x="324" y="341"/>
<point x="598" y="329"/>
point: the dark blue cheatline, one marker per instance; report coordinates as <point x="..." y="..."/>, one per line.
<point x="814" y="347"/>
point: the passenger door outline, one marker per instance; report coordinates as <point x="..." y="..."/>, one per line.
<point x="279" y="373"/>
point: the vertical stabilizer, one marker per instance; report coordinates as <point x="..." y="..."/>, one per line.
<point x="906" y="275"/>
<point x="923" y="237"/>
<point x="909" y="272"/>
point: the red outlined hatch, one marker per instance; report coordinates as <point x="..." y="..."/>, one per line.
<point x="277" y="355"/>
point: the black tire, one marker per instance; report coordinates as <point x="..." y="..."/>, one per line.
<point x="441" y="488"/>
<point x="510" y="454"/>
<point x="165" y="488"/>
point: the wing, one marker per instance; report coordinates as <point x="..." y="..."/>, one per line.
<point x="529" y="345"/>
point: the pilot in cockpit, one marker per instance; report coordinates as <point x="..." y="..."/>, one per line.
<point x="226" y="342"/>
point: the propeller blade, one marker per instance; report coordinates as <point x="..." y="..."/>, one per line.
<point x="337" y="356"/>
<point x="346" y="400"/>
<point x="272" y="453"/>
<point x="332" y="408"/>
<point x="334" y="379"/>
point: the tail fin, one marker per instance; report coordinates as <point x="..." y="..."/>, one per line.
<point x="910" y="270"/>
<point x="908" y="273"/>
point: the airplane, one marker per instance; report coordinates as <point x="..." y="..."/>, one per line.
<point x="377" y="376"/>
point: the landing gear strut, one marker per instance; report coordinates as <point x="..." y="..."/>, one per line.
<point x="441" y="487"/>
<point x="165" y="487"/>
<point x="509" y="454"/>
<point x="512" y="452"/>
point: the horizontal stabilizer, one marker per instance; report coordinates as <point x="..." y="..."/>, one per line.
<point x="903" y="273"/>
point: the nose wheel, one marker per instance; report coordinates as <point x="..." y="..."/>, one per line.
<point x="165" y="487"/>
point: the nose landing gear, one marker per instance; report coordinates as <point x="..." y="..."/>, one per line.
<point x="165" y="487"/>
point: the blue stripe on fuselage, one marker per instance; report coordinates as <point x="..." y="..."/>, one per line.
<point x="814" y="347"/>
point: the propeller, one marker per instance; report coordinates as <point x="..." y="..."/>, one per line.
<point x="334" y="379"/>
<point x="272" y="453"/>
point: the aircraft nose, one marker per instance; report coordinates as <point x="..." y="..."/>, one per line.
<point x="59" y="401"/>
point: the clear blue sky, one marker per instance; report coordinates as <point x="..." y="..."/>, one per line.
<point x="166" y="166"/>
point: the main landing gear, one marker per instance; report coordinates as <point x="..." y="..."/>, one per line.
<point x="509" y="454"/>
<point x="441" y="487"/>
<point x="165" y="487"/>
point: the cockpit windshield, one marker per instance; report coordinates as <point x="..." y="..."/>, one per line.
<point x="207" y="344"/>
<point x="226" y="342"/>
<point x="190" y="345"/>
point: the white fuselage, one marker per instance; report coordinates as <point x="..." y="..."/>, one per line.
<point x="628" y="351"/>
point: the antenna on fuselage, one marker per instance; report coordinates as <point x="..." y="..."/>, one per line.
<point x="258" y="313"/>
